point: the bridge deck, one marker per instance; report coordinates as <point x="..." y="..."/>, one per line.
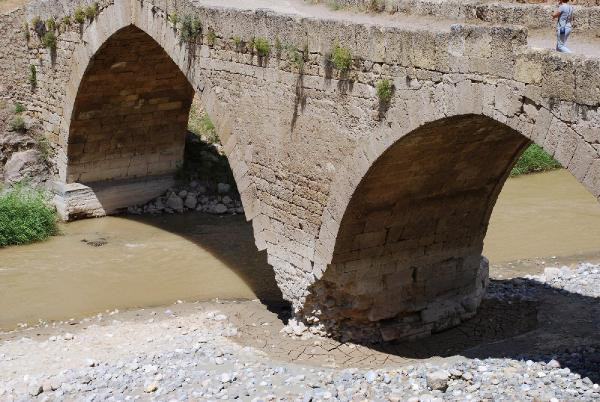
<point x="581" y="43"/>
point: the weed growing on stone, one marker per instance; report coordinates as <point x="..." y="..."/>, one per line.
<point x="385" y="90"/>
<point x="238" y="43"/>
<point x="173" y="18"/>
<point x="32" y="76"/>
<point x="262" y="46"/>
<point x="44" y="147"/>
<point x="533" y="160"/>
<point x="51" y="24"/>
<point x="341" y="58"/>
<point x="17" y="124"/>
<point x="296" y="57"/>
<point x="191" y="28"/>
<point x="66" y="20"/>
<point x="92" y="11"/>
<point x="79" y="15"/>
<point x="25" y="217"/>
<point x="26" y="31"/>
<point x="211" y="37"/>
<point x="49" y="40"/>
<point x="19" y="108"/>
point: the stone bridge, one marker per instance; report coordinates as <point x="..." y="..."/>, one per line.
<point x="373" y="211"/>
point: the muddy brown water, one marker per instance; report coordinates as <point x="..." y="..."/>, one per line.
<point x="124" y="262"/>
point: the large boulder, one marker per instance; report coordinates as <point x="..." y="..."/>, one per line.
<point x="24" y="165"/>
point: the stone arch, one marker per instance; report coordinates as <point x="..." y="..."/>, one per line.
<point x="124" y="25"/>
<point x="403" y="233"/>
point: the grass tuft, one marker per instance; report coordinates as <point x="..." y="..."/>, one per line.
<point x="341" y="58"/>
<point x="32" y="76"/>
<point x="262" y="46"/>
<point x="534" y="160"/>
<point x="201" y="125"/>
<point x="19" y="108"/>
<point x="49" y="40"/>
<point x="25" y="217"/>
<point x="385" y="90"/>
<point x="92" y="11"/>
<point x="17" y="124"/>
<point x="79" y="15"/>
<point x="191" y="29"/>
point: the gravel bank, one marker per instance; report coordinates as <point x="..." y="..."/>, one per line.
<point x="167" y="354"/>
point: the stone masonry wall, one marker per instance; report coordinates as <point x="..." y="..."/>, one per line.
<point x="301" y="136"/>
<point x="14" y="59"/>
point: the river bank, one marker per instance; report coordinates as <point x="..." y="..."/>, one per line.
<point x="534" y="338"/>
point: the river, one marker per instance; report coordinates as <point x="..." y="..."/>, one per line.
<point x="153" y="261"/>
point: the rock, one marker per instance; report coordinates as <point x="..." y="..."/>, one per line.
<point x="219" y="209"/>
<point x="90" y="362"/>
<point x="68" y="336"/>
<point x="175" y="203"/>
<point x="35" y="389"/>
<point x="438" y="380"/>
<point x="22" y="165"/>
<point x="552" y="273"/>
<point x="553" y="364"/>
<point x="370" y="376"/>
<point x="223" y="188"/>
<point x="182" y="194"/>
<point x="227" y="200"/>
<point x="191" y="201"/>
<point x="152" y="387"/>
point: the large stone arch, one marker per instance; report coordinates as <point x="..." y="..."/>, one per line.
<point x="125" y="113"/>
<point x="399" y="250"/>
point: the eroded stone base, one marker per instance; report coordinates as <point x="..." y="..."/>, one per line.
<point x="331" y="311"/>
<point x="77" y="201"/>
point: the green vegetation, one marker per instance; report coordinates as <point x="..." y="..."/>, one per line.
<point x="66" y="20"/>
<point x="32" y="76"/>
<point x="295" y="56"/>
<point x="92" y="11"/>
<point x="26" y="31"/>
<point x="25" y="217"/>
<point x="173" y="18"/>
<point x="341" y="58"/>
<point x="385" y="90"/>
<point x="51" y="24"/>
<point x="79" y="15"/>
<point x="211" y="37"/>
<point x="44" y="147"/>
<point x="201" y="125"/>
<point x="534" y="159"/>
<point x="19" y="108"/>
<point x="262" y="46"/>
<point x="278" y="47"/>
<point x="49" y="40"/>
<point x="238" y="43"/>
<point x="17" y="124"/>
<point x="191" y="28"/>
<point x="334" y="5"/>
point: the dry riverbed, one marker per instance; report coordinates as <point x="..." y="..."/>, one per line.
<point x="534" y="338"/>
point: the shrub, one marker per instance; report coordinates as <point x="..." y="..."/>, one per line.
<point x="295" y="56"/>
<point x="92" y="11"/>
<point x="66" y="20"/>
<point x="32" y="76"/>
<point x="341" y="58"/>
<point x="49" y="40"/>
<point x="211" y="37"/>
<point x="191" y="28"/>
<point x="19" y="108"/>
<point x="18" y="124"/>
<point x="25" y="217"/>
<point x="51" y="24"/>
<point x="79" y="15"/>
<point x="262" y="47"/>
<point x="173" y="18"/>
<point x="385" y="90"/>
<point x="534" y="159"/>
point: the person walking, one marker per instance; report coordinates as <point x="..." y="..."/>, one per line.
<point x="564" y="14"/>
